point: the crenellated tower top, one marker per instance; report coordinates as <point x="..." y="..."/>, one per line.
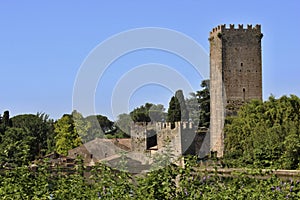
<point x="224" y="28"/>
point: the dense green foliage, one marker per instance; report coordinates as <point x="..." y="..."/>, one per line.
<point x="198" y="105"/>
<point x="99" y="127"/>
<point x="25" y="137"/>
<point x="148" y="112"/>
<point x="157" y="113"/>
<point x="170" y="182"/>
<point x="174" y="111"/>
<point x="15" y="148"/>
<point x="40" y="127"/>
<point x="141" y="114"/>
<point x="262" y="135"/>
<point x="124" y="123"/>
<point x="203" y="97"/>
<point x="66" y="136"/>
<point x="74" y="130"/>
<point x="265" y="134"/>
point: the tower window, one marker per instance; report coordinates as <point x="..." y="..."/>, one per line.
<point x="244" y="91"/>
<point x="241" y="64"/>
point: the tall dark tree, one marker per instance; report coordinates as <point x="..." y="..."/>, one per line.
<point x="177" y="110"/>
<point x="204" y="104"/>
<point x="2" y="129"/>
<point x="5" y="122"/>
<point x="183" y="108"/>
<point x="174" y="112"/>
<point x="5" y="119"/>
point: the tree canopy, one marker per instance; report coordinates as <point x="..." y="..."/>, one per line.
<point x="265" y="134"/>
<point x="148" y="112"/>
<point x="124" y="123"/>
<point x="67" y="136"/>
<point x="198" y="105"/>
<point x="27" y="137"/>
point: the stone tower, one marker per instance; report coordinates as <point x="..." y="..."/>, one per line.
<point x="235" y="75"/>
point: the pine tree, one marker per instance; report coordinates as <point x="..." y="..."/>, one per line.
<point x="174" y="112"/>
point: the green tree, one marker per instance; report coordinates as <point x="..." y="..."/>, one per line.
<point x="15" y="148"/>
<point x="177" y="110"/>
<point x="66" y="135"/>
<point x="81" y="125"/>
<point x="141" y="114"/>
<point x="265" y="134"/>
<point x="183" y="109"/>
<point x="291" y="154"/>
<point x="198" y="105"/>
<point x="204" y="104"/>
<point x="157" y="113"/>
<point x="148" y="112"/>
<point x="193" y="107"/>
<point x="124" y="123"/>
<point x="95" y="131"/>
<point x="99" y="126"/>
<point x="40" y="127"/>
<point x="5" y="122"/>
<point x="5" y="119"/>
<point x="174" y="111"/>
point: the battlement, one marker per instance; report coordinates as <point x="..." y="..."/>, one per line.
<point x="181" y="125"/>
<point x="162" y="125"/>
<point x="157" y="136"/>
<point x="223" y="27"/>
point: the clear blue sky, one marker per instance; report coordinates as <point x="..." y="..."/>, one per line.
<point x="44" y="43"/>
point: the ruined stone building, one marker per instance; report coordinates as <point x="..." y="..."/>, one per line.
<point x="151" y="138"/>
<point x="235" y="75"/>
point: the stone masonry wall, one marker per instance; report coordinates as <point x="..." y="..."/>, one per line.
<point x="235" y="74"/>
<point x="181" y="140"/>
